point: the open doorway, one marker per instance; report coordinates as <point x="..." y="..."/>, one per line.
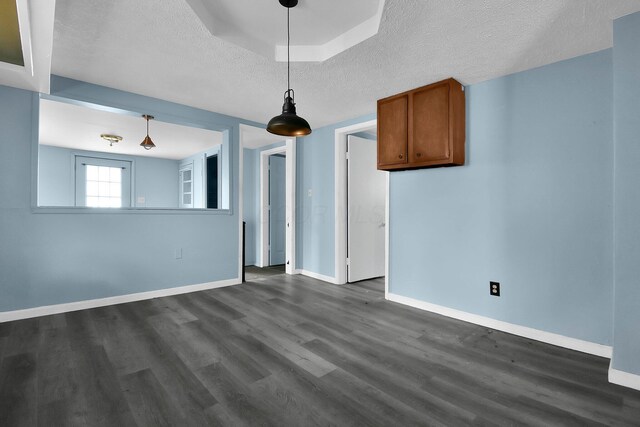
<point x="277" y="198"/>
<point x="212" y="182"/>
<point x="366" y="207"/>
<point x="276" y="208"/>
<point x="267" y="200"/>
<point x="343" y="259"/>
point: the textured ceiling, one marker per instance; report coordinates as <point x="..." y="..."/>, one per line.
<point x="160" y="48"/>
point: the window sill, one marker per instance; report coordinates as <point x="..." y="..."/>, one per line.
<point x="124" y="211"/>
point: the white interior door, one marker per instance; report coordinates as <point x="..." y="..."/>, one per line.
<point x="366" y="198"/>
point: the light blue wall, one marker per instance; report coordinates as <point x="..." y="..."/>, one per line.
<point x="57" y="258"/>
<point x="315" y="238"/>
<point x="56" y="180"/>
<point x="626" y="60"/>
<point x="155" y="179"/>
<point x="531" y="209"/>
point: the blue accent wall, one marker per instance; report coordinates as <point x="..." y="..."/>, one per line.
<point x="626" y="64"/>
<point x="315" y="216"/>
<point x="155" y="179"/>
<point x="57" y="258"/>
<point x="56" y="176"/>
<point x="531" y="209"/>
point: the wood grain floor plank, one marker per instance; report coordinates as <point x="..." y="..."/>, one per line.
<point x="99" y="401"/>
<point x="293" y="351"/>
<point x="445" y="412"/>
<point x="119" y="340"/>
<point x="23" y="337"/>
<point x="186" y="391"/>
<point x="5" y="329"/>
<point x="372" y="403"/>
<point x="18" y="390"/>
<point x="290" y="349"/>
<point x="240" y="406"/>
<point x="55" y="377"/>
<point x="214" y="305"/>
<point x="303" y="399"/>
<point x="59" y="413"/>
<point x="595" y="404"/>
<point x="149" y="401"/>
<point x="169" y="307"/>
<point x="239" y="363"/>
<point x="189" y="343"/>
<point x="261" y="317"/>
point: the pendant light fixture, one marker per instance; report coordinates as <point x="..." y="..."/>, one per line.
<point x="289" y="123"/>
<point x="147" y="143"/>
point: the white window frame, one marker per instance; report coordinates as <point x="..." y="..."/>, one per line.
<point x="81" y="178"/>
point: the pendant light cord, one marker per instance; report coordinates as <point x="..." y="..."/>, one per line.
<point x="288" y="54"/>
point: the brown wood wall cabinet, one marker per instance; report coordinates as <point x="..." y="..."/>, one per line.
<point x="422" y="128"/>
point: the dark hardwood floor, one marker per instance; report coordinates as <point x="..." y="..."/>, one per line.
<point x="253" y="273"/>
<point x="292" y="351"/>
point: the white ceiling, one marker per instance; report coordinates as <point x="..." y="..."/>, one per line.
<point x="162" y="49"/>
<point x="79" y="128"/>
<point x="320" y="29"/>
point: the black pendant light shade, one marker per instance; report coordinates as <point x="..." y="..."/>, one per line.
<point x="288" y="123"/>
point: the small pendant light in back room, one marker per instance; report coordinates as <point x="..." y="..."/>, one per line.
<point x="147" y="143"/>
<point x="289" y="123"/>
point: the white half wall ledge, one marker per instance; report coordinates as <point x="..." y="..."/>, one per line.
<point x="28" y="313"/>
<point x="523" y="331"/>
<point x="625" y="379"/>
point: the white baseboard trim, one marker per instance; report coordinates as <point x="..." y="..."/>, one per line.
<point x="625" y="379"/>
<point x="8" y="316"/>
<point x="317" y="276"/>
<point x="523" y="331"/>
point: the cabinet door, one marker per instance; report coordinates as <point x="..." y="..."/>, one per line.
<point x="392" y="131"/>
<point x="429" y="121"/>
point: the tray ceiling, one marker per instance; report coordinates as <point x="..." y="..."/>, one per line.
<point x="164" y="50"/>
<point x="319" y="29"/>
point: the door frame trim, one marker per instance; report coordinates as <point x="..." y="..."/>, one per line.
<point x="264" y="205"/>
<point x="289" y="148"/>
<point x="340" y="204"/>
